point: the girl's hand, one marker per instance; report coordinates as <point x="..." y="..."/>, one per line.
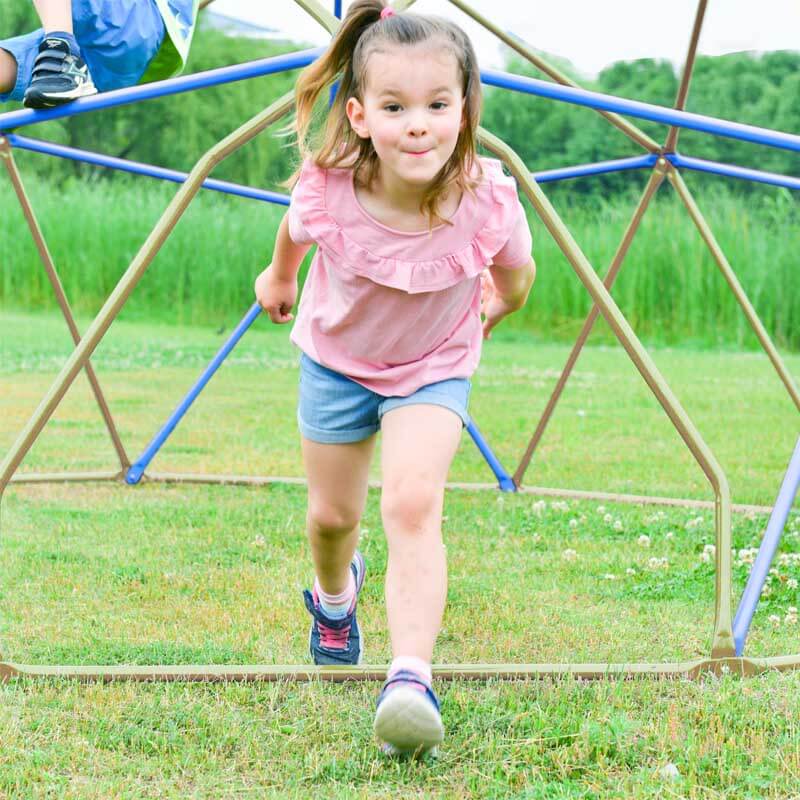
<point x="493" y="307"/>
<point x="276" y="296"/>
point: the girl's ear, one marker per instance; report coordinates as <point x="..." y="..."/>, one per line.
<point x="355" y="114"/>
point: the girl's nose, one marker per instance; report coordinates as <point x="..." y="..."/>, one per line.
<point x="417" y="125"/>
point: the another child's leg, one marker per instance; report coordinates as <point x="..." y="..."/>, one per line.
<point x="419" y="442"/>
<point x="56" y="15"/>
<point x="8" y="71"/>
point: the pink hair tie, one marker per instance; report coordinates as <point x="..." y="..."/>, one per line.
<point x="387" y="12"/>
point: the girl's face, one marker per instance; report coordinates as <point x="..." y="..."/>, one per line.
<point x="412" y="110"/>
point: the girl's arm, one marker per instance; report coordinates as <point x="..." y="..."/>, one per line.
<point x="505" y="291"/>
<point x="276" y="286"/>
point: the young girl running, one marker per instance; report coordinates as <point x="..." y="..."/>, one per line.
<point x="405" y="217"/>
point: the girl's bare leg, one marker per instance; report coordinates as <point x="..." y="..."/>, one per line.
<point x="8" y="71"/>
<point x="56" y="15"/>
<point x="337" y="493"/>
<point x="419" y="442"/>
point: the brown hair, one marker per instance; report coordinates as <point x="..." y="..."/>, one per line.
<point x="360" y="34"/>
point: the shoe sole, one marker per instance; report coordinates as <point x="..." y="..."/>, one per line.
<point x="407" y="721"/>
<point x="53" y="99"/>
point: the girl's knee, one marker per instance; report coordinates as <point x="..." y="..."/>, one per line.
<point x="411" y="503"/>
<point x="330" y="519"/>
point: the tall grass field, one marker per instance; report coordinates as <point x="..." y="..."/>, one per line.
<point x="669" y="287"/>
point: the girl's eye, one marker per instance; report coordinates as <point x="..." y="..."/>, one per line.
<point x="439" y="105"/>
<point x="392" y="107"/>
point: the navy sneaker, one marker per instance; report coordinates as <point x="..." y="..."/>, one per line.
<point x="407" y="720"/>
<point x="59" y="76"/>
<point x="336" y="641"/>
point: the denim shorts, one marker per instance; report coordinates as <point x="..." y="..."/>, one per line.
<point x="333" y="409"/>
<point x="117" y="41"/>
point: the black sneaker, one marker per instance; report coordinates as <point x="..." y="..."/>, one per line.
<point x="336" y="642"/>
<point x="59" y="76"/>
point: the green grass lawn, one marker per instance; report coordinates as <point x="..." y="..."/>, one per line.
<point x="106" y="573"/>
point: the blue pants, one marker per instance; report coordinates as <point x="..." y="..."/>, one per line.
<point x="118" y="38"/>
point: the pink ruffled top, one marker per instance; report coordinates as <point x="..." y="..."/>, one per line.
<point x="395" y="310"/>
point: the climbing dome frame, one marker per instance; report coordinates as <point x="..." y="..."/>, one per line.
<point x="662" y="160"/>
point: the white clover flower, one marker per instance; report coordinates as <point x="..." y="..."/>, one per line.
<point x="609" y="577"/>
<point x="573" y="523"/>
<point x="747" y="555"/>
<point x="559" y="505"/>
<point x="669" y="535"/>
<point x="500" y="500"/>
<point x="608" y="519"/>
<point x="569" y="554"/>
<point x="630" y="571"/>
<point x="538" y="507"/>
<point x="617" y="524"/>
<point x="774" y="571"/>
<point x="791" y="583"/>
<point x="774" y="619"/>
<point x="259" y="541"/>
<point x="582" y="518"/>
<point x="792" y="610"/>
<point x="601" y="509"/>
<point x="644" y="540"/>
<point x="501" y="528"/>
<point x="658" y="563"/>
<point x="766" y="591"/>
<point x="790" y="619"/>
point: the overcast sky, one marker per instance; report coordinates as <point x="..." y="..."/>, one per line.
<point x="590" y="33"/>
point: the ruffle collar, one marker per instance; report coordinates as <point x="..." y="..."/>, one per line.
<point x="325" y="204"/>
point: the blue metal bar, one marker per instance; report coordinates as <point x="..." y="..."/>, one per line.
<point x="138" y="168"/>
<point x="503" y="478"/>
<point x="569" y="94"/>
<point x="732" y="171"/>
<point x="634" y="108"/>
<point x="147" y="91"/>
<point x="137" y="469"/>
<point x="582" y="170"/>
<point x="766" y="552"/>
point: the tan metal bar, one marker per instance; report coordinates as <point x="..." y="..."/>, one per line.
<point x="266" y="480"/>
<point x="116" y="300"/>
<point x="688" y="67"/>
<point x="628" y="128"/>
<point x="445" y="672"/>
<point x="65" y="477"/>
<point x="723" y="644"/>
<point x="7" y="157"/>
<point x="652" y="186"/>
<point x="725" y="268"/>
<point x="537" y="491"/>
<point x="319" y="13"/>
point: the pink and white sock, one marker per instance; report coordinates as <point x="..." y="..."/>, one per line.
<point x="337" y="606"/>
<point x="411" y="664"/>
